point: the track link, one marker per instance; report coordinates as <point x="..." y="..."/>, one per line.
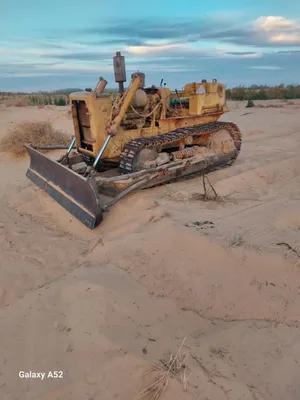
<point x="132" y="148"/>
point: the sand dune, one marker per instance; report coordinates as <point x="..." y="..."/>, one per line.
<point x="102" y="306"/>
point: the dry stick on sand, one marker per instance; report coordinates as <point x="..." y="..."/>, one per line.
<point x="172" y="368"/>
<point x="289" y="247"/>
<point x="204" y="187"/>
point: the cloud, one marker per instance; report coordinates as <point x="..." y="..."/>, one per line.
<point x="230" y="49"/>
<point x="155" y="48"/>
<point x="270" y="24"/>
<point x="288" y="51"/>
<point x="244" y="54"/>
<point x="189" y="37"/>
<point x="266" y="67"/>
<point x="264" y="31"/>
<point x="83" y="56"/>
<point x="147" y="29"/>
<point x="241" y="53"/>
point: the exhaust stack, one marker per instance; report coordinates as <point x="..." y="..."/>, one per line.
<point x="100" y="86"/>
<point x="119" y="70"/>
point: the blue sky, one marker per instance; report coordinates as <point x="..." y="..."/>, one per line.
<point x="58" y="44"/>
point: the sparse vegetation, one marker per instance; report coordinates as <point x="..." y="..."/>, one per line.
<point x="237" y="240"/>
<point x="263" y="92"/>
<point x="34" y="99"/>
<point x="239" y="93"/>
<point x="173" y="367"/>
<point x="36" y="133"/>
<point x="250" y="103"/>
<point x="15" y="101"/>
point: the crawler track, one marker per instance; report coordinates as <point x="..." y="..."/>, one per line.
<point x="132" y="148"/>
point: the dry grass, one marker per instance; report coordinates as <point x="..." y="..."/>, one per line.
<point x="269" y="106"/>
<point x="18" y="101"/>
<point x="237" y="240"/>
<point x="35" y="133"/>
<point x="38" y="99"/>
<point x="174" y="367"/>
<point x="158" y="217"/>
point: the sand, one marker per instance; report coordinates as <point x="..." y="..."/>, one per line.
<point x="102" y="306"/>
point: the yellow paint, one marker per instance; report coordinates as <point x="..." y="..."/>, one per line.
<point x="102" y="117"/>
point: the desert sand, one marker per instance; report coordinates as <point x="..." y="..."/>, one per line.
<point x="102" y="306"/>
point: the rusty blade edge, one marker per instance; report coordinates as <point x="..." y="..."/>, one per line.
<point x="76" y="194"/>
<point x="86" y="217"/>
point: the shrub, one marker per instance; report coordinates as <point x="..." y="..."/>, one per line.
<point x="60" y="101"/>
<point x="35" y="133"/>
<point x="250" y="103"/>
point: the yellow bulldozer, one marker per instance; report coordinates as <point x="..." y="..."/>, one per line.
<point x="136" y="138"/>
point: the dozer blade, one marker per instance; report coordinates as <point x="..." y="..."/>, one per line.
<point x="70" y="190"/>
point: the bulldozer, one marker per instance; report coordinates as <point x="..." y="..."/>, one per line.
<point x="135" y="138"/>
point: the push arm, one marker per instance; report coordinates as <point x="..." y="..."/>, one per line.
<point x="111" y="128"/>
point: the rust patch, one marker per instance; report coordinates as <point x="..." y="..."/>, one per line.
<point x="170" y="124"/>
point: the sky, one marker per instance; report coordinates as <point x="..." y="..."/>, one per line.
<point x="49" y="45"/>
